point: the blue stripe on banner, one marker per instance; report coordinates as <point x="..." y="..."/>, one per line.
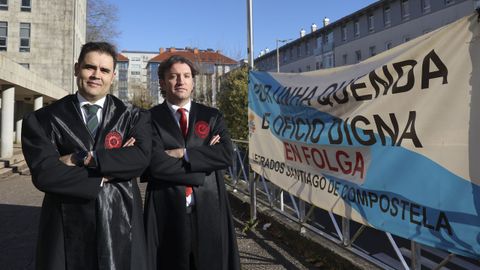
<point x="414" y="198"/>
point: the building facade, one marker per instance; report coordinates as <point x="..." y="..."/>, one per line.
<point x="137" y="71"/>
<point x="365" y="33"/>
<point x="211" y="65"/>
<point x="44" y="36"/>
<point x="120" y="85"/>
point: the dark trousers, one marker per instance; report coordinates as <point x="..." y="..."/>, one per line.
<point x="191" y="233"/>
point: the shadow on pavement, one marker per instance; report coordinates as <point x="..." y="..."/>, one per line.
<point x="18" y="236"/>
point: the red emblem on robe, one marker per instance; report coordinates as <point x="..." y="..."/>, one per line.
<point x="202" y="129"/>
<point x="113" y="140"/>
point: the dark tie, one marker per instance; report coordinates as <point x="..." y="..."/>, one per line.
<point x="92" y="119"/>
<point x="183" y="127"/>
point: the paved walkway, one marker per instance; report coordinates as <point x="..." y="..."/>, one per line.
<point x="20" y="209"/>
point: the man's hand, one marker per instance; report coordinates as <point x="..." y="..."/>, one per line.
<point x="130" y="142"/>
<point x="68" y="160"/>
<point x="105" y="179"/>
<point x="175" y="153"/>
<point x="215" y="139"/>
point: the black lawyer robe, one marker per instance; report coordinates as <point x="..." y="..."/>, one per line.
<point x="83" y="225"/>
<point x="165" y="206"/>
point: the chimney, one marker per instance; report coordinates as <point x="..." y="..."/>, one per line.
<point x="314" y="27"/>
<point x="172" y="49"/>
<point x="302" y="32"/>
<point x="195" y="51"/>
<point x="162" y="50"/>
<point x="326" y="21"/>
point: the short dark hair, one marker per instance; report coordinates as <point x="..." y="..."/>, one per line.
<point x="101" y="47"/>
<point x="167" y="64"/>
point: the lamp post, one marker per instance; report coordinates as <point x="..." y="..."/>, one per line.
<point x="278" y="54"/>
<point x="250" y="34"/>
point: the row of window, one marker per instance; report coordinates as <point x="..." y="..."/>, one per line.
<point x="387" y="17"/>
<point x="25" y="6"/>
<point x="24" y="36"/>
<point x="372" y="50"/>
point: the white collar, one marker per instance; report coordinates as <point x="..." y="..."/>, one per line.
<point x="174" y="108"/>
<point x="82" y="101"/>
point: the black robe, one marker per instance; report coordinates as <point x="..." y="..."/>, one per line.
<point x="83" y="225"/>
<point x="165" y="206"/>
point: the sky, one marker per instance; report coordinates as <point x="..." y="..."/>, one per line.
<point x="147" y="25"/>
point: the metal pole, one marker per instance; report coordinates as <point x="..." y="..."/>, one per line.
<point x="282" y="205"/>
<point x="415" y="260"/>
<point x="253" y="198"/>
<point x="278" y="57"/>
<point x="250" y="33"/>
<point x="346" y="231"/>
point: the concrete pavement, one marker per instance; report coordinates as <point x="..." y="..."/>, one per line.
<point x="20" y="206"/>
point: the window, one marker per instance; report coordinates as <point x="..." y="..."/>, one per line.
<point x="299" y="70"/>
<point x="25" y="65"/>
<point x="387" y="16"/>
<point x="371" y="23"/>
<point x="356" y="28"/>
<point x="405" y="9"/>
<point x="3" y="36"/>
<point x="358" y="55"/>
<point x="26" y="6"/>
<point x="449" y="2"/>
<point x="344" y="58"/>
<point x="308" y="67"/>
<point x="344" y="33"/>
<point x="425" y="6"/>
<point x="317" y="65"/>
<point x="406" y="39"/>
<point x="299" y="53"/>
<point x="24" y="37"/>
<point x="372" y="50"/>
<point x="388" y="45"/>
<point x="3" y="4"/>
<point x="307" y="49"/>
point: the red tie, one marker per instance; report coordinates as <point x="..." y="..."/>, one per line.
<point x="183" y="127"/>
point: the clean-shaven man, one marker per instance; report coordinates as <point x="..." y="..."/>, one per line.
<point x="84" y="151"/>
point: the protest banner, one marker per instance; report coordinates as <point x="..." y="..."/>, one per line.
<point x="392" y="142"/>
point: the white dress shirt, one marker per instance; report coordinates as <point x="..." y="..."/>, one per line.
<point x="173" y="109"/>
<point x="82" y="101"/>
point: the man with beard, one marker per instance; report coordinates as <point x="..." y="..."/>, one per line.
<point x="187" y="215"/>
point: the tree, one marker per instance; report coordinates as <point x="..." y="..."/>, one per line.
<point x="141" y="96"/>
<point x="233" y="102"/>
<point x="102" y="21"/>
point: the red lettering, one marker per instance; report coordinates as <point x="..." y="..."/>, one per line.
<point x="344" y="163"/>
<point x="306" y="155"/>
<point x="317" y="153"/>
<point x="359" y="165"/>
<point x="287" y="151"/>
<point x="330" y="167"/>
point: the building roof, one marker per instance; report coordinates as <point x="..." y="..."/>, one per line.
<point x="195" y="55"/>
<point x="121" y="57"/>
<point x="140" y="52"/>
